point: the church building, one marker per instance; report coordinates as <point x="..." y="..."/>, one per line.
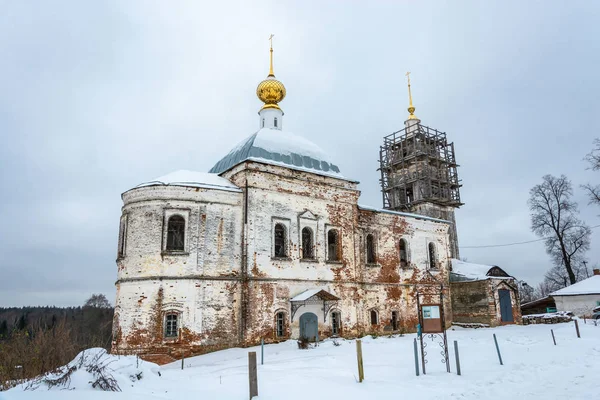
<point x="273" y="244"/>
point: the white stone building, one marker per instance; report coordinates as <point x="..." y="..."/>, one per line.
<point x="580" y="298"/>
<point x="271" y="244"/>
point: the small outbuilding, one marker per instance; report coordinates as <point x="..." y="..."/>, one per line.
<point x="483" y="294"/>
<point x="581" y="297"/>
<point x="539" y="306"/>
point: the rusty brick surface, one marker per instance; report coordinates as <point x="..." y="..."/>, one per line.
<point x="227" y="286"/>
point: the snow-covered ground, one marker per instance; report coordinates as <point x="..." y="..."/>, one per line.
<point x="533" y="368"/>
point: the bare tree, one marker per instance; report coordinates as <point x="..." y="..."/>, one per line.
<point x="97" y="301"/>
<point x="593" y="158"/>
<point x="554" y="217"/>
<point x="526" y="292"/>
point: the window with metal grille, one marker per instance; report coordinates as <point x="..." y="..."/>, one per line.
<point x="279" y="240"/>
<point x="307" y="244"/>
<point x="176" y="233"/>
<point x="171" y="329"/>
<point x="280" y="324"/>
<point x="370" y="249"/>
<point x="335" y="323"/>
<point x="374" y="317"/>
<point x="394" y="320"/>
<point x="333" y="250"/>
<point x="403" y="253"/>
<point x="432" y="256"/>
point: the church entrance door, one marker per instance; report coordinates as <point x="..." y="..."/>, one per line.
<point x="309" y="327"/>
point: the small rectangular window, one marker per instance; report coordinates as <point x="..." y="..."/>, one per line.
<point x="370" y="249"/>
<point x="122" y="236"/>
<point x="335" y="323"/>
<point x="394" y="320"/>
<point x="171" y="329"/>
<point x="280" y="322"/>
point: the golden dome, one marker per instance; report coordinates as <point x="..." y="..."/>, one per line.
<point x="270" y="91"/>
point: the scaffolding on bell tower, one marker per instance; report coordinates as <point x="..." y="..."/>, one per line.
<point x="418" y="166"/>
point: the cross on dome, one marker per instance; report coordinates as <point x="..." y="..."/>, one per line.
<point x="270" y="91"/>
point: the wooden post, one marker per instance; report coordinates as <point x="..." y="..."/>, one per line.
<point x="252" y="375"/>
<point x="577" y="329"/>
<point x="262" y="351"/>
<point x="553" y="339"/>
<point x="498" y="350"/>
<point x="361" y="372"/>
<point x="457" y="357"/>
<point x="182" y="359"/>
<point x="416" y="357"/>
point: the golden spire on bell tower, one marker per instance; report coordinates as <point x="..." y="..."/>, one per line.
<point x="411" y="108"/>
<point x="270" y="91"/>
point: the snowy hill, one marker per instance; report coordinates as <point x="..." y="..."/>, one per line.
<point x="533" y="368"/>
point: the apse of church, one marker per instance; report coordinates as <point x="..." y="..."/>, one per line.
<point x="271" y="244"/>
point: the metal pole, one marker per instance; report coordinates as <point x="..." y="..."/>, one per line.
<point x="457" y="357"/>
<point x="416" y="357"/>
<point x="182" y="359"/>
<point x="498" y="350"/>
<point x="553" y="339"/>
<point x="577" y="329"/>
<point x="262" y="351"/>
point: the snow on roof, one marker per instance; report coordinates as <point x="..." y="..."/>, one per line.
<point x="273" y="146"/>
<point x="325" y="295"/>
<point x="404" y="214"/>
<point x="305" y="295"/>
<point x="193" y="179"/>
<point x="472" y="271"/>
<point x="590" y="285"/>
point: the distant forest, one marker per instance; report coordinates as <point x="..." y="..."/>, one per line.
<point x="35" y="340"/>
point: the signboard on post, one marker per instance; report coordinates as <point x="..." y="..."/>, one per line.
<point x="432" y="321"/>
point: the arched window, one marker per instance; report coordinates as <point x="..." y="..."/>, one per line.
<point x="333" y="245"/>
<point x="432" y="256"/>
<point x="336" y="323"/>
<point x="176" y="233"/>
<point x="263" y="123"/>
<point x="307" y="243"/>
<point x="374" y="317"/>
<point x="403" y="253"/>
<point x="280" y="324"/>
<point x="275" y="122"/>
<point x="370" y="249"/>
<point x="279" y="240"/>
<point x="171" y="325"/>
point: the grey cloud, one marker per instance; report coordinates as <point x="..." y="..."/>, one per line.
<point x="96" y="98"/>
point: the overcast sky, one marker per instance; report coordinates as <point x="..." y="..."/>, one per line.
<point x="96" y="97"/>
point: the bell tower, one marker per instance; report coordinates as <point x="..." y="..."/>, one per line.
<point x="419" y="172"/>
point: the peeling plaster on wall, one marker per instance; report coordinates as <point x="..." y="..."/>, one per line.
<point x="208" y="287"/>
<point x="479" y="302"/>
